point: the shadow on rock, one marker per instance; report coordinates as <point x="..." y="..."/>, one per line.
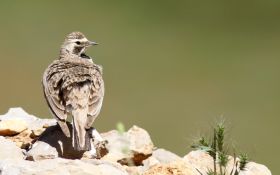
<point x="53" y="143"/>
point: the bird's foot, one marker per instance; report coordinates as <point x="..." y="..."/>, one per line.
<point x="98" y="146"/>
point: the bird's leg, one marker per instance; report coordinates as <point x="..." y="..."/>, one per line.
<point x="98" y="144"/>
<point x="95" y="135"/>
<point x="92" y="151"/>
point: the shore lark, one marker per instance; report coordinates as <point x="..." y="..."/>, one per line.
<point x="73" y="86"/>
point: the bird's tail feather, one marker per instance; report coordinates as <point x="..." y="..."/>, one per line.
<point x="80" y="139"/>
<point x="64" y="128"/>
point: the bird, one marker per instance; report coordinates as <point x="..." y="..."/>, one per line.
<point x="73" y="87"/>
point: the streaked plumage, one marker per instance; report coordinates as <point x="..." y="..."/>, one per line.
<point x="73" y="85"/>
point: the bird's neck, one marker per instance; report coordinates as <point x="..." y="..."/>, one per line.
<point x="64" y="53"/>
<point x="67" y="55"/>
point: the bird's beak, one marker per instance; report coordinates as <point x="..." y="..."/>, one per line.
<point x="92" y="43"/>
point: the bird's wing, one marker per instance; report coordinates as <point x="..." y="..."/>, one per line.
<point x="83" y="94"/>
<point x="96" y="96"/>
<point x="52" y="83"/>
<point x="92" y="75"/>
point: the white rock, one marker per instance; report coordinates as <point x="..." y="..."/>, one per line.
<point x="12" y="127"/>
<point x="159" y="157"/>
<point x="140" y="140"/>
<point x="135" y="145"/>
<point x="164" y="156"/>
<point x="42" y="150"/>
<point x="202" y="161"/>
<point x="173" y="168"/>
<point x="9" y="150"/>
<point x="117" y="145"/>
<point x="60" y="166"/>
<point x="32" y="122"/>
<point x="17" y="113"/>
<point x="253" y="168"/>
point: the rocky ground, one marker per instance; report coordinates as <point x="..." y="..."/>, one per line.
<point x="30" y="145"/>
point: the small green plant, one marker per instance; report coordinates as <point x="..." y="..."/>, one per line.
<point x="215" y="147"/>
<point x="120" y="127"/>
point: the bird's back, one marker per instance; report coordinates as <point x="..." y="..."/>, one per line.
<point x="74" y="86"/>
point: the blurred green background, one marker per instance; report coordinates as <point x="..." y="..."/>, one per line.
<point x="171" y="67"/>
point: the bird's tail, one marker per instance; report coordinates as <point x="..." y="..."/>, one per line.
<point x="80" y="139"/>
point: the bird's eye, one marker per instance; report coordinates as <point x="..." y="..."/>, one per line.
<point x="78" y="42"/>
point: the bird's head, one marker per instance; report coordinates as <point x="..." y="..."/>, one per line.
<point x="76" y="44"/>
